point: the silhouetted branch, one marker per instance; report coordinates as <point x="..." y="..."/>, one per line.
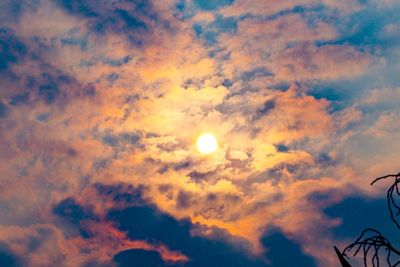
<point x="392" y="193"/>
<point x="371" y="242"/>
<point x="341" y="258"/>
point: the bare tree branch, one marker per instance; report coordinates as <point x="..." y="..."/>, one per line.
<point x="371" y="243"/>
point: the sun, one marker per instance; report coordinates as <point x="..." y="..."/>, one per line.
<point x="207" y="143"/>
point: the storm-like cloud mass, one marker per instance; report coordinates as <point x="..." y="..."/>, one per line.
<point x="101" y="103"/>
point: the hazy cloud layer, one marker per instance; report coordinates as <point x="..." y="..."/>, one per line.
<point x="101" y="104"/>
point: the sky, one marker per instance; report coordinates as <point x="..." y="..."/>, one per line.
<point x="101" y="104"/>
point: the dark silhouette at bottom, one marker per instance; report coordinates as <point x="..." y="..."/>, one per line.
<point x="342" y="260"/>
<point x="371" y="243"/>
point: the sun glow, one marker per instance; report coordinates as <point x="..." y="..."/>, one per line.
<point x="207" y="143"/>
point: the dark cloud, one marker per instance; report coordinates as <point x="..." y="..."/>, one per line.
<point x="75" y="212"/>
<point x="112" y="77"/>
<point x="12" y="49"/>
<point x="163" y="169"/>
<point x="87" y="91"/>
<point x="122" y="139"/>
<point x="143" y="221"/>
<point x="19" y="99"/>
<point x="10" y="10"/>
<point x="211" y="31"/>
<point x="3" y="110"/>
<point x="266" y="108"/>
<point x="184" y="200"/>
<point x="357" y="213"/>
<point x="212" y="197"/>
<point x="282" y="148"/>
<point x="97" y="263"/>
<point x="131" y="21"/>
<point x="81" y="42"/>
<point x="110" y="140"/>
<point x="117" y="62"/>
<point x="47" y="83"/>
<point x="7" y="258"/>
<point x="126" y="194"/>
<point x="148" y="223"/>
<point x="182" y="165"/>
<point x="198" y="176"/>
<point x="279" y="171"/>
<point x="227" y="83"/>
<point x="325" y="160"/>
<point x="255" y="73"/>
<point x="140" y="258"/>
<point x="134" y="19"/>
<point x="131" y="137"/>
<point x="83" y="8"/>
<point x="70" y="210"/>
<point x="50" y="67"/>
<point x="49" y="90"/>
<point x="283" y="252"/>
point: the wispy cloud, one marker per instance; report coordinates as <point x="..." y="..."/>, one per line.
<point x="101" y="105"/>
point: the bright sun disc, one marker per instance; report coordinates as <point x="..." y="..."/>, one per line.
<point x="207" y="144"/>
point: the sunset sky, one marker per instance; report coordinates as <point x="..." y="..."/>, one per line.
<point x="102" y="104"/>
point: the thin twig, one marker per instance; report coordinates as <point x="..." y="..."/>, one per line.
<point x="371" y="242"/>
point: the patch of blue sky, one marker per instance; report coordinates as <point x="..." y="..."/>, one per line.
<point x="210" y="31"/>
<point x="338" y="98"/>
<point x="375" y="30"/>
<point x="344" y="93"/>
<point x="212" y="4"/>
<point x="301" y="10"/>
<point x="369" y="28"/>
<point x="312" y="14"/>
<point x="185" y="9"/>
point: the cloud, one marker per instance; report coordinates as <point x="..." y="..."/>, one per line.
<point x="12" y="49"/>
<point x="7" y="258"/>
<point x="77" y="226"/>
<point x="132" y="19"/>
<point x="306" y="61"/>
<point x="101" y="105"/>
<point x="148" y="223"/>
<point x="286" y="247"/>
<point x="272" y="7"/>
